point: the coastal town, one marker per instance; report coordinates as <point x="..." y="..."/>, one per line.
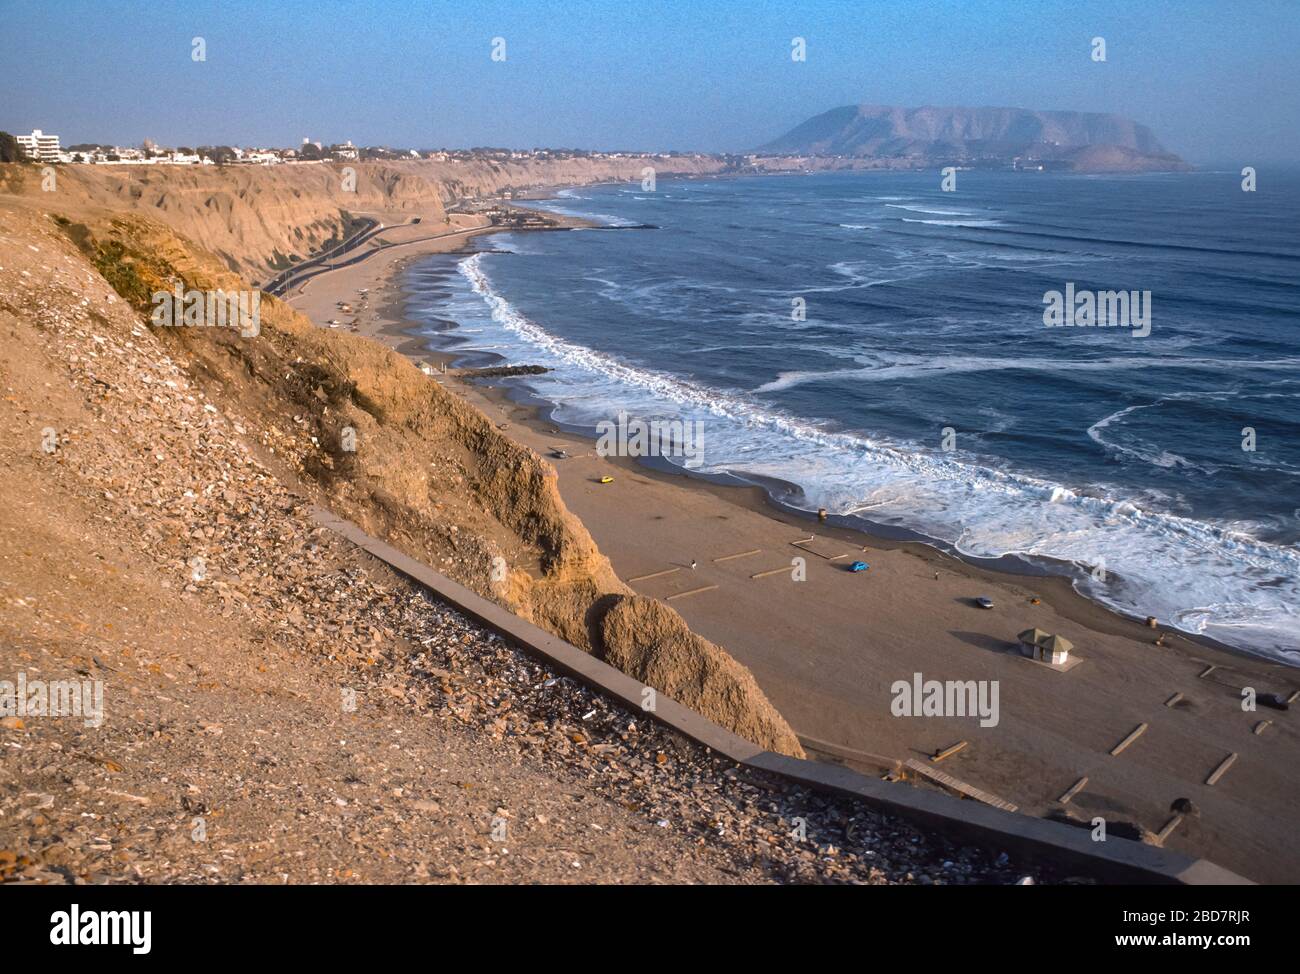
<point x="41" y="146"/>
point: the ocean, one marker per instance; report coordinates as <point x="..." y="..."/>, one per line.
<point x="869" y="344"/>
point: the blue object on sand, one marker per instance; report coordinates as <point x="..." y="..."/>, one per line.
<point x="859" y="566"/>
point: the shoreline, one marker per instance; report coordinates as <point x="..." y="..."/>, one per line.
<point x="830" y="677"/>
<point x="530" y="408"/>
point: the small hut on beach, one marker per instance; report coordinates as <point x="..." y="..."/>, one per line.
<point x="1045" y="646"/>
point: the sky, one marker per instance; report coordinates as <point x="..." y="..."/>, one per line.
<point x="1216" y="81"/>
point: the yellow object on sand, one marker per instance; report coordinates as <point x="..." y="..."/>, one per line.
<point x="606" y="480"/>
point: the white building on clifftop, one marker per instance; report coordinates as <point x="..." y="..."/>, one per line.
<point x="39" y="146"/>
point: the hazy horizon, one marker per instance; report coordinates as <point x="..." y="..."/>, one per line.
<point x="1214" y="84"/>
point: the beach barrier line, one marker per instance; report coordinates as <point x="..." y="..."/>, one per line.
<point x="1222" y="769"/>
<point x="1134" y="734"/>
<point x="772" y="571"/>
<point x="1075" y="788"/>
<point x="961" y="787"/>
<point x="642" y="578"/>
<point x="694" y="591"/>
<point x="742" y="554"/>
<point x="813" y="537"/>
<point x="851" y="753"/>
<point x="1116" y="860"/>
<point x="1207" y="671"/>
<point x="1173" y="700"/>
<point x="1295" y="695"/>
<point x="1168" y="828"/>
<point x="948" y="752"/>
<point x="1261" y="727"/>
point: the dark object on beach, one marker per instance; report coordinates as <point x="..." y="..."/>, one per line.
<point x="560" y="455"/>
<point x="1184" y="806"/>
<point x="821" y="514"/>
<point x="498" y="371"/>
<point x="859" y="566"/>
<point x="984" y="602"/>
<point x="1151" y="622"/>
<point x="1274" y="700"/>
<point x="1118" y="828"/>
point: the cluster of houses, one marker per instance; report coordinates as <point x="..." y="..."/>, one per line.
<point x="41" y="147"/>
<point x="519" y="155"/>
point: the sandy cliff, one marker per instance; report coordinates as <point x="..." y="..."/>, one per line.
<point x="259" y="219"/>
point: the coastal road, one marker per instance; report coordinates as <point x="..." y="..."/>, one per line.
<point x="307" y="270"/>
<point x="281" y="282"/>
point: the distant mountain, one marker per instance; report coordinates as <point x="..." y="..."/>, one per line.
<point x="1070" y="140"/>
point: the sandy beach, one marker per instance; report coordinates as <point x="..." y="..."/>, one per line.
<point x="827" y="650"/>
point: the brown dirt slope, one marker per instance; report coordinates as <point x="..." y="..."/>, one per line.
<point x="429" y="472"/>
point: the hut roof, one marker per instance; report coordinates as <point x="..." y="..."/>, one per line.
<point x="1047" y="640"/>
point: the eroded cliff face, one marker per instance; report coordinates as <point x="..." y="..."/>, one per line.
<point x="259" y="219"/>
<point x="648" y="640"/>
<point x="358" y="428"/>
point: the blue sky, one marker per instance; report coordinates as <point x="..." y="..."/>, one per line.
<point x="1217" y="81"/>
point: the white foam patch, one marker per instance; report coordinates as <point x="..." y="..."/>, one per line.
<point x="930" y="210"/>
<point x="973" y="224"/>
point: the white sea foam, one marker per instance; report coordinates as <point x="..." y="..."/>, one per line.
<point x="973" y="224"/>
<point x="895" y="366"/>
<point x="1201" y="577"/>
<point x="931" y="210"/>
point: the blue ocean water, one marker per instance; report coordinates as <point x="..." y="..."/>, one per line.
<point x="1119" y="456"/>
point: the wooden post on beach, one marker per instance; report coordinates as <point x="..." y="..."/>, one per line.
<point x="1219" y="772"/>
<point x="1137" y="732"/>
<point x="1074" y="790"/>
<point x="694" y="591"/>
<point x="1169" y="826"/>
<point x="948" y="752"/>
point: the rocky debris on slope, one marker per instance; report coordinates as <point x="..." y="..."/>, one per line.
<point x="161" y="470"/>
